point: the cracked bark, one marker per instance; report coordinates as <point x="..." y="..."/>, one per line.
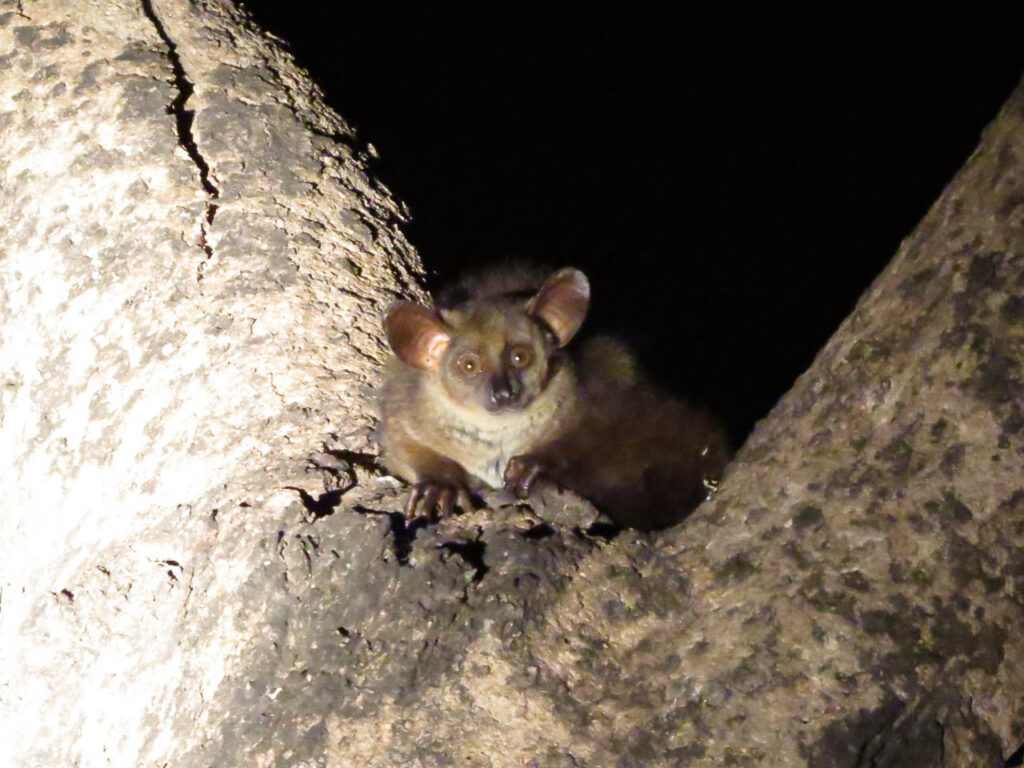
<point x="205" y="568"/>
<point x="183" y="119"/>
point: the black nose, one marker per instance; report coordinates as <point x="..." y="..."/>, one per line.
<point x="505" y="390"/>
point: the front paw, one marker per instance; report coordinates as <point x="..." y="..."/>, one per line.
<point x="437" y="499"/>
<point x="521" y="473"/>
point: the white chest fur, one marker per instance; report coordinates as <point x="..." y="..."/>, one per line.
<point x="484" y="442"/>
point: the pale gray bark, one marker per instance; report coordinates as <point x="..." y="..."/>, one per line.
<point x="202" y="568"/>
<point x="189" y="311"/>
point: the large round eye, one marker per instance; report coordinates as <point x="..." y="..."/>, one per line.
<point x="520" y="356"/>
<point x="468" y="364"/>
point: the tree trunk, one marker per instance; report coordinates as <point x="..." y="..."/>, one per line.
<point x="204" y="568"/>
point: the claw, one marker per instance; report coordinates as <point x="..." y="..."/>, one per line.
<point x="520" y="475"/>
<point x="437" y="500"/>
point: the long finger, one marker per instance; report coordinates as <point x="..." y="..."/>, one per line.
<point x="415" y="494"/>
<point x="444" y="502"/>
<point x="532" y="473"/>
<point x="430" y="496"/>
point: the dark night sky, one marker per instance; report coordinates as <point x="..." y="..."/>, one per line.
<point x="730" y="176"/>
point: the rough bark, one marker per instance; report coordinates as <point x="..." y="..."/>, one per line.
<point x="192" y="266"/>
<point x="203" y="568"/>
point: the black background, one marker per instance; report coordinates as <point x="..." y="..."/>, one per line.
<point x="730" y="176"/>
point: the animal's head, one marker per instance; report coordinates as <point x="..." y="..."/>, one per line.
<point x="495" y="353"/>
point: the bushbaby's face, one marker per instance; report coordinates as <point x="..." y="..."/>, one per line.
<point x="492" y="354"/>
<point x="498" y="357"/>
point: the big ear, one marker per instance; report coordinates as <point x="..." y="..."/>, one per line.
<point x="416" y="334"/>
<point x="562" y="303"/>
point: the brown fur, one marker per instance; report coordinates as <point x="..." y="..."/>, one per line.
<point x="463" y="410"/>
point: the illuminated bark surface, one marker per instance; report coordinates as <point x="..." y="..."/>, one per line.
<point x="203" y="568"/>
